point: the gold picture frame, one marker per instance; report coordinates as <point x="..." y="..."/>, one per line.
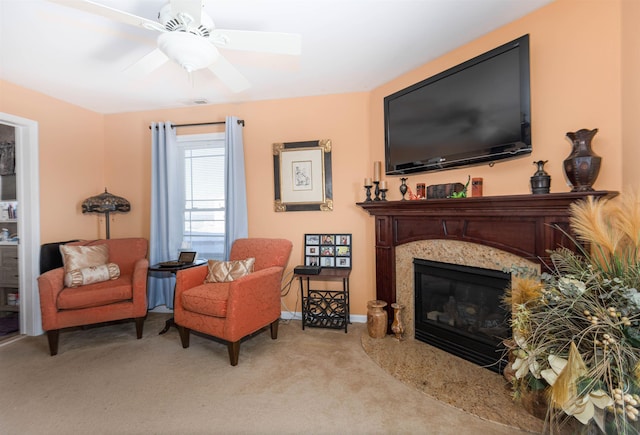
<point x="302" y="176"/>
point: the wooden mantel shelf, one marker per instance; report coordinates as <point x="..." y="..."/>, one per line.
<point x="482" y="205"/>
<point x="525" y="225"/>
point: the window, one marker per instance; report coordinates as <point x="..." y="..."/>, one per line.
<point x="204" y="194"/>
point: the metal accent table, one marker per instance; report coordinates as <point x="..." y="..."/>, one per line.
<point x="173" y="270"/>
<point x="325" y="308"/>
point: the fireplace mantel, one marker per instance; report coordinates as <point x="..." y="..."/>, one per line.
<point x="525" y="225"/>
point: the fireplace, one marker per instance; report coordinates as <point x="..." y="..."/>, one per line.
<point x="487" y="232"/>
<point x="459" y="309"/>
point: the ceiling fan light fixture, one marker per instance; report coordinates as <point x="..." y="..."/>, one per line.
<point x="183" y="22"/>
<point x="188" y="37"/>
<point x="190" y="51"/>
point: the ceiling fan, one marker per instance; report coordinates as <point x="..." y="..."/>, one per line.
<point x="189" y="38"/>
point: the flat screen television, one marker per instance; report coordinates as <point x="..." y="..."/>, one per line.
<point x="476" y="112"/>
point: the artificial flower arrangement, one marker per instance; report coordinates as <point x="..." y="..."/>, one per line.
<point x="576" y="330"/>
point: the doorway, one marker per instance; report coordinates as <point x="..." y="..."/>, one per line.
<point x="28" y="219"/>
<point x="9" y="236"/>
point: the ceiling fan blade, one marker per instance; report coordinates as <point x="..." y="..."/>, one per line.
<point x="111" y="13"/>
<point x="147" y="64"/>
<point x="249" y="40"/>
<point x="229" y="75"/>
<point x="193" y="8"/>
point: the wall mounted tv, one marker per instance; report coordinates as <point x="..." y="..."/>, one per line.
<point x="476" y="112"/>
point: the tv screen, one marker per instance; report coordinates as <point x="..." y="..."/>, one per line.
<point x="476" y="112"/>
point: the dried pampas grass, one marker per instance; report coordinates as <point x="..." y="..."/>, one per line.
<point x="523" y="290"/>
<point x="612" y="230"/>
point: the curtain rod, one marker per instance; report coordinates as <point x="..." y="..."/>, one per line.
<point x="240" y="122"/>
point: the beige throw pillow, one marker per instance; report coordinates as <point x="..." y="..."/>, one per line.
<point x="226" y="271"/>
<point x="90" y="275"/>
<point x="80" y="257"/>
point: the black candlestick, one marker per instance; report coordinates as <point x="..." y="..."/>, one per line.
<point x="368" y="193"/>
<point x="377" y="191"/>
<point x="384" y="194"/>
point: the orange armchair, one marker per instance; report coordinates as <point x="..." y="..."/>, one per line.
<point x="233" y="310"/>
<point x="121" y="298"/>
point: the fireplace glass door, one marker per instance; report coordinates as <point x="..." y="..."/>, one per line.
<point x="459" y="309"/>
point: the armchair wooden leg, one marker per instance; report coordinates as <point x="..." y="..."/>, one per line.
<point x="53" y="337"/>
<point x="234" y="352"/>
<point x="139" y="326"/>
<point x="184" y="336"/>
<point x="274" y="329"/>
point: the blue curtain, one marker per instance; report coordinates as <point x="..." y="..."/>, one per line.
<point x="236" y="218"/>
<point x="167" y="217"/>
<point x="167" y="200"/>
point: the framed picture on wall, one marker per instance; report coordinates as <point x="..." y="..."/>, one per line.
<point x="302" y="176"/>
<point x="327" y="250"/>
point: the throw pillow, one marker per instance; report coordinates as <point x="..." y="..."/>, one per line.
<point x="226" y="271"/>
<point x="92" y="274"/>
<point x="79" y="257"/>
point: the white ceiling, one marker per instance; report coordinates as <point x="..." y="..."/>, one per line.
<point x="347" y="46"/>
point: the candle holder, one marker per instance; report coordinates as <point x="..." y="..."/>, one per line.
<point x="377" y="191"/>
<point x="383" y="193"/>
<point x="368" y="193"/>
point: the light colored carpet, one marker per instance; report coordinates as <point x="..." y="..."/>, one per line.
<point x="317" y="381"/>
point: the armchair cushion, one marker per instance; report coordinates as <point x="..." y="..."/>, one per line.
<point x="207" y="299"/>
<point x="90" y="275"/>
<point x="80" y="257"/>
<point x="95" y="295"/>
<point x="227" y="271"/>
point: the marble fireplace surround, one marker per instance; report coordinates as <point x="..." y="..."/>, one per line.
<point x="445" y="251"/>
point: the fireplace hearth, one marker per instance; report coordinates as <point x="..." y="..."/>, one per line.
<point x="459" y="309"/>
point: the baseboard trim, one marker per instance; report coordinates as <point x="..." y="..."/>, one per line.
<point x="284" y="315"/>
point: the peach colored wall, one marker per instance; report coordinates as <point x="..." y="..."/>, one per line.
<point x="71" y="160"/>
<point x="341" y="118"/>
<point x="631" y="94"/>
<point x="575" y="83"/>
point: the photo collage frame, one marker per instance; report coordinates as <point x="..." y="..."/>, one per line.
<point x="328" y="250"/>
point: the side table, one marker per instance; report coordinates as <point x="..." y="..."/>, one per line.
<point x="325" y="308"/>
<point x="173" y="270"/>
